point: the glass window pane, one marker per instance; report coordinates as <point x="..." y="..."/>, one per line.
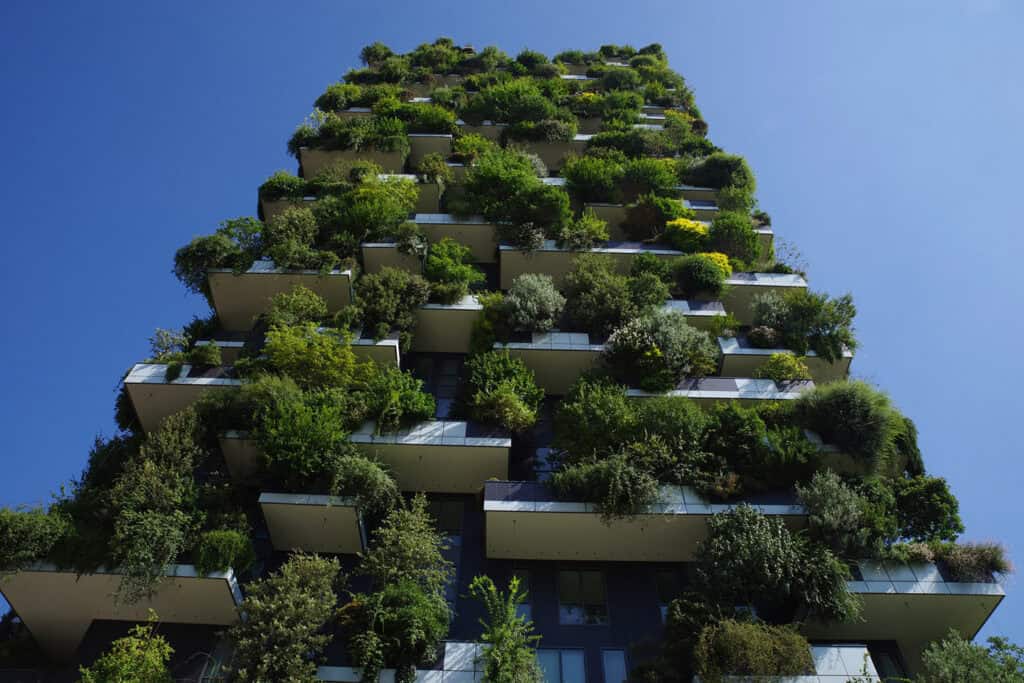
<point x="668" y="586"/>
<point x="593" y="588"/>
<point x="569" y="587"/>
<point x="525" y="610"/>
<point x="571" y="615"/>
<point x="614" y="666"/>
<point x="596" y="614"/>
<point x="572" y="667"/>
<point x="548" y="660"/>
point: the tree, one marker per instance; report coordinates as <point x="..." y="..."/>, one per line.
<point x="282" y="636"/>
<point x="927" y="510"/>
<point x="957" y="660"/>
<point x="509" y="656"/>
<point x="27" y="536"/>
<point x="140" y="657"/>
<point x="313" y="359"/>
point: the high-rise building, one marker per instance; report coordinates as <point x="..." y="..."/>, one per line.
<point x="535" y="291"/>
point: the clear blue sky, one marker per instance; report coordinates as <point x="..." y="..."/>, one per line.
<point x="886" y="137"/>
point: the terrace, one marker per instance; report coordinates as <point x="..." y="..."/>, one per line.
<point x="555" y="261"/>
<point x="740" y="359"/>
<point x="154" y="398"/>
<point x="741" y="288"/>
<point x="313" y="523"/>
<point x="707" y="391"/>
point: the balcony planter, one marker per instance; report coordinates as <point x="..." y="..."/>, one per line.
<point x="458" y="171"/>
<point x="554" y="153"/>
<point x="472" y="231"/>
<point x="525" y="521"/>
<point x="446" y="328"/>
<point x="439" y="456"/>
<point x="428" y="201"/>
<point x="555" y="261"/>
<point x="740" y="359"/>
<point x="240" y="299"/>
<point x="557" y="359"/>
<point x="461" y="662"/>
<point x="590" y="125"/>
<point x="833" y="663"/>
<point x="380" y="351"/>
<point x="154" y="398"/>
<point x="312" y="160"/>
<point x="913" y="605"/>
<point x="710" y="390"/>
<point x="377" y="255"/>
<point x="230" y="349"/>
<point x="612" y="214"/>
<point x="354" y="113"/>
<point x="703" y="209"/>
<point x="699" y="314"/>
<point x="313" y="523"/>
<point x="58" y="606"/>
<point x="487" y="129"/>
<point x="695" y="192"/>
<point x="422" y="144"/>
<point x="742" y="287"/>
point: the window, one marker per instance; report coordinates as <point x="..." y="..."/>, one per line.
<point x="581" y="598"/>
<point x="525" y="608"/>
<point x="613" y="663"/>
<point x="667" y="585"/>
<point x="447" y="515"/>
<point x="702" y="204"/>
<point x="562" y="666"/>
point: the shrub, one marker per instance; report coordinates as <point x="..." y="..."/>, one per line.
<point x="508" y="656"/>
<point x="955" y="659"/>
<point x="548" y="130"/>
<point x="647" y="292"/>
<point x="972" y="562"/>
<point x="597" y="299"/>
<point x="594" y="418"/>
<point x="733" y="234"/>
<point x="593" y="178"/>
<point x="27" y="536"/>
<point x="647" y="176"/>
<point x="427" y="118"/>
<point x="809" y="321"/>
<point x="300" y="305"/>
<point x="853" y="416"/>
<point x="516" y="100"/>
<point x="585" y="232"/>
<point x="283" y="635"/>
<point x="469" y="147"/>
<point x="735" y="648"/>
<point x="235" y="245"/>
<point x="388" y="301"/>
<point x="926" y="509"/>
<point x="207" y="355"/>
<point x="617" y="486"/>
<point x="394" y="398"/>
<point x="282" y="185"/>
<point x="502" y="389"/>
<point x="434" y="169"/>
<point x="686" y="234"/>
<point x="837" y="517"/>
<point x="491" y="325"/>
<point x="140" y="656"/>
<point x="647" y="217"/>
<point x="657" y="350"/>
<point x="370" y="211"/>
<point x="313" y="359"/>
<point x="449" y="269"/>
<point x="748" y="558"/>
<point x="533" y="304"/>
<point x="647" y="262"/>
<point x="783" y="367"/>
<point x="224" y="549"/>
<point x="719" y="170"/>
<point x="699" y="275"/>
<point x="375" y="492"/>
<point x="407" y="545"/>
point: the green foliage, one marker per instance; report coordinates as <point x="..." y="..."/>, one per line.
<point x="719" y="170"/>
<point x="516" y="100"/>
<point x="617" y="486"/>
<point x="585" y="232"/>
<point x="491" y="325"/>
<point x="388" y="301"/>
<point x="597" y="299"/>
<point x="509" y="655"/>
<point x="393" y="398"/>
<point x="736" y="648"/>
<point x="696" y="275"/>
<point x="548" y="130"/>
<point x="289" y="241"/>
<point x="299" y="306"/>
<point x="594" y="418"/>
<point x="28" y="536"/>
<point x="224" y="549"/>
<point x="838" y="517"/>
<point x="783" y="367"/>
<point x="282" y="636"/>
<point x="235" y="245"/>
<point x="375" y="53"/>
<point x="140" y="657"/>
<point x="954" y="659"/>
<point x="502" y="390"/>
<point x="371" y="211"/>
<point x="312" y="358"/>
<point x="732" y="234"/>
<point x="329" y="131"/>
<point x="646" y="218"/>
<point x="422" y="117"/>
<point x="926" y="509"/>
<point x="282" y="185"/>
<point x="593" y="178"/>
<point x="749" y="558"/>
<point x="467" y="148"/>
<point x="449" y="269"/>
<point x="646" y="176"/>
<point x="809" y="321"/>
<point x="434" y="169"/>
<point x="657" y="350"/>
<point x="533" y="304"/>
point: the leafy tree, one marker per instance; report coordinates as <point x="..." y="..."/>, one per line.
<point x="509" y="655"/>
<point x="393" y="398"/>
<point x="809" y="321"/>
<point x="282" y="636"/>
<point x="388" y="300"/>
<point x="300" y="305"/>
<point x="312" y="358"/>
<point x="533" y="304"/>
<point x="838" y="517"/>
<point x="140" y="657"/>
<point x="597" y="298"/>
<point x="926" y="509"/>
<point x="732" y="233"/>
<point x="618" y="486"/>
<point x="957" y="660"/>
<point x="657" y="350"/>
<point x="502" y="390"/>
<point x="735" y="648"/>
<point x="27" y="536"/>
<point x="235" y="244"/>
<point x="585" y="232"/>
<point x="224" y="549"/>
<point x="450" y="271"/>
<point x="594" y="418"/>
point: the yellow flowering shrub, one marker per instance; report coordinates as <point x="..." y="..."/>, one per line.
<point x="720" y="260"/>
<point x="686" y="234"/>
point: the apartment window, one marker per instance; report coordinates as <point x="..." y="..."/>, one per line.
<point x="581" y="598"/>
<point x="703" y="204"/>
<point x="613" y="663"/>
<point x="447" y="515"/>
<point x="562" y="666"/>
<point x="667" y="585"/>
<point x="525" y="608"/>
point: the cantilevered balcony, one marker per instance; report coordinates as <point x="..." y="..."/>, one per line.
<point x="471" y="231"/>
<point x="554" y="153"/>
<point x="913" y="605"/>
<point x="427" y="201"/>
<point x="699" y="314"/>
<point x="446" y="328"/>
<point x="313" y="160"/>
<point x="422" y="144"/>
<point x="557" y="359"/>
<point x="740" y="359"/>
<point x="741" y="288"/>
<point x="58" y="606"/>
<point x="524" y="520"/>
<point x="487" y="129"/>
<point x="240" y="298"/>
<point x="378" y="255"/>
<point x="707" y="391"/>
<point x="461" y="662"/>
<point x="313" y="523"/>
<point x="555" y="261"/>
<point x="155" y="398"/>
